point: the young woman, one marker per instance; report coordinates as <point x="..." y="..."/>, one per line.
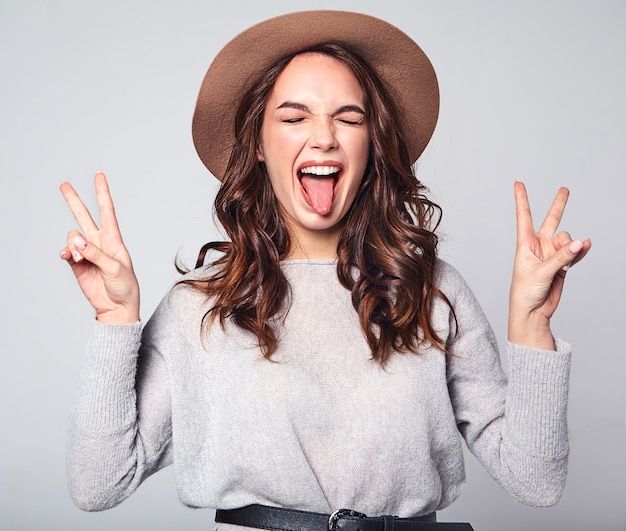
<point x="324" y="357"/>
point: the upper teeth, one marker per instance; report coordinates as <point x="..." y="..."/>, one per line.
<point x="320" y="170"/>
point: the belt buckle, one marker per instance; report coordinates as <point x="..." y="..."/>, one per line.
<point x="334" y="518"/>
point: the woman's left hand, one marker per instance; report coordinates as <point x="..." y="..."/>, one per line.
<point x="542" y="259"/>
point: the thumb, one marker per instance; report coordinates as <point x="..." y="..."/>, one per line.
<point x="564" y="257"/>
<point x="93" y="254"/>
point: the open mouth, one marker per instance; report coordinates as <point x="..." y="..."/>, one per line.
<point x="318" y="184"/>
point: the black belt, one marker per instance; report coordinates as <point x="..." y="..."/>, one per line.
<point x="279" y="519"/>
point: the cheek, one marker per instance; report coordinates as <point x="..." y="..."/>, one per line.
<point x="269" y="140"/>
<point x="358" y="145"/>
<point x="280" y="180"/>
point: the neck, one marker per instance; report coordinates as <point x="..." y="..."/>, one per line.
<point x="314" y="244"/>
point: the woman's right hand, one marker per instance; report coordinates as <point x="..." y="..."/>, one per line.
<point x="99" y="258"/>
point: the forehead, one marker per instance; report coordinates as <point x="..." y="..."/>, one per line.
<point x="320" y="74"/>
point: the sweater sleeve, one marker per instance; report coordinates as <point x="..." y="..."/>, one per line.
<point x="120" y="425"/>
<point x="515" y="424"/>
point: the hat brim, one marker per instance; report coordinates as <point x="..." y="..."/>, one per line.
<point x="396" y="58"/>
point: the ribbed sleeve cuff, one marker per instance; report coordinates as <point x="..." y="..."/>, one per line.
<point x="106" y="392"/>
<point x="537" y="401"/>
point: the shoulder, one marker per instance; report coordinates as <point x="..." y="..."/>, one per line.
<point x="449" y="280"/>
<point x="185" y="303"/>
<point x="468" y="313"/>
<point x="457" y="291"/>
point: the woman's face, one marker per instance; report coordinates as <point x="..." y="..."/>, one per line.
<point x="315" y="142"/>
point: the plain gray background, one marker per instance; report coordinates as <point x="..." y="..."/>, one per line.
<point x="531" y="90"/>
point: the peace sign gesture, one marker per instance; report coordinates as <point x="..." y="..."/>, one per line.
<point x="99" y="258"/>
<point x="542" y="259"/>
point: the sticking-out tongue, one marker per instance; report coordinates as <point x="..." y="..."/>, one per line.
<point x="319" y="192"/>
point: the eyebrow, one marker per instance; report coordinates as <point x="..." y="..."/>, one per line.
<point x="304" y="108"/>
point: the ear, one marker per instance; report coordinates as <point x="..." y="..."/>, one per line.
<point x="259" y="153"/>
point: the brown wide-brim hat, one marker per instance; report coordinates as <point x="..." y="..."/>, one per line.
<point x="396" y="58"/>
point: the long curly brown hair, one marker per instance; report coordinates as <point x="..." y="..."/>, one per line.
<point x="387" y="252"/>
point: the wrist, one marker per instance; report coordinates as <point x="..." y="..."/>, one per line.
<point x="531" y="330"/>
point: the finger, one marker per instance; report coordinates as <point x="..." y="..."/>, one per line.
<point x="85" y="250"/>
<point x="105" y="203"/>
<point x="75" y="243"/>
<point x="561" y="239"/>
<point x="65" y="254"/>
<point x="555" y="213"/>
<point x="78" y="208"/>
<point x="581" y="254"/>
<point x="522" y="211"/>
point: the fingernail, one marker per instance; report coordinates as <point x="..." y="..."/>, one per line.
<point x="566" y="267"/>
<point x="80" y="242"/>
<point x="64" y="254"/>
<point x="76" y="256"/>
<point x="575" y="246"/>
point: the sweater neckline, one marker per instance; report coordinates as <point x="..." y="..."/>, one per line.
<point x="309" y="261"/>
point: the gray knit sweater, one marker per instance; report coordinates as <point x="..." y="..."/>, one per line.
<point x="322" y="427"/>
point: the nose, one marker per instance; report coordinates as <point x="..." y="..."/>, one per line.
<point x="323" y="135"/>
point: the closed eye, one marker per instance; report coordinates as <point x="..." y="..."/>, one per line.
<point x="351" y="115"/>
<point x="351" y="122"/>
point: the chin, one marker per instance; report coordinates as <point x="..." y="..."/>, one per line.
<point x="326" y="223"/>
